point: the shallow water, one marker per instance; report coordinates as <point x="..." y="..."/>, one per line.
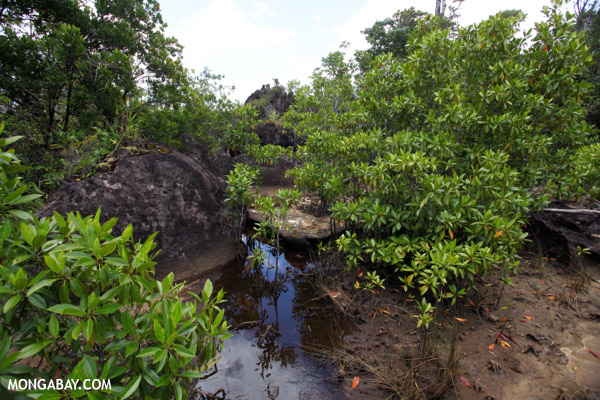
<point x="276" y="293"/>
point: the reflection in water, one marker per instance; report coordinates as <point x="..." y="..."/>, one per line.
<point x="274" y="308"/>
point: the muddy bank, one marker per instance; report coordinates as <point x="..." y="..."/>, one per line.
<point x="541" y="342"/>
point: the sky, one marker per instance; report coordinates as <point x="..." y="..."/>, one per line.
<point x="252" y="42"/>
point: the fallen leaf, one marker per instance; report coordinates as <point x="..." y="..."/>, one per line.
<point x="355" y="382"/>
<point x="517" y="293"/>
<point x="465" y="381"/>
<point x="528" y="317"/>
<point x="462" y="319"/>
<point x="551" y="297"/>
<point x="470" y="302"/>
<point x="504" y="344"/>
<point x="535" y="292"/>
<point x="594" y="354"/>
<point x="498" y="234"/>
<point x="491" y="346"/>
<point x="451" y="234"/>
<point x="360" y="275"/>
<point x="385" y="311"/>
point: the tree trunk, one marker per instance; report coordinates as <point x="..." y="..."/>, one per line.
<point x="440" y="7"/>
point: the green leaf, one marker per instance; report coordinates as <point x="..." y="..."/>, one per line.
<point x="12" y="302"/>
<point x="147" y="352"/>
<point x="159" y="332"/>
<point x="39" y="285"/>
<point x="28" y="233"/>
<point x="53" y="326"/>
<point x="178" y="391"/>
<point x="207" y="291"/>
<point x="31" y="350"/>
<point x="131" y="387"/>
<point x="38" y="301"/>
<point x="90" y="369"/>
<point x="67" y="309"/>
<point x="108" y="308"/>
<point x="26" y="199"/>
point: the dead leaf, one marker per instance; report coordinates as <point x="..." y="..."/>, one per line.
<point x="451" y="234"/>
<point x="462" y="319"/>
<point x="528" y="317"/>
<point x="504" y="344"/>
<point x="491" y="346"/>
<point x="355" y="382"/>
<point x="470" y="302"/>
<point x="498" y="234"/>
<point x="552" y="298"/>
<point x="465" y="381"/>
<point x="594" y="354"/>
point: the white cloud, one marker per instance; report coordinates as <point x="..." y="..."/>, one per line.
<point x="317" y="19"/>
<point x="221" y="27"/>
<point x="261" y="8"/>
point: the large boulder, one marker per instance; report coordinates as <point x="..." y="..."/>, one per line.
<point x="166" y="192"/>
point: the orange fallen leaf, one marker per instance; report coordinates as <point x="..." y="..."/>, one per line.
<point x="461" y="319"/>
<point x="594" y="354"/>
<point x="507" y="146"/>
<point x="451" y="234"/>
<point x="487" y="309"/>
<point x="535" y="292"/>
<point x="470" y="302"/>
<point x="528" y="317"/>
<point x="504" y="344"/>
<point x="355" y="382"/>
<point x="498" y="234"/>
<point x="491" y="346"/>
<point x="551" y="297"/>
<point x="385" y="311"/>
<point x="504" y="319"/>
<point x="552" y="259"/>
<point x="360" y="275"/>
<point x="465" y="381"/>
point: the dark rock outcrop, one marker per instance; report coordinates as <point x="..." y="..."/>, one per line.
<point x="267" y="100"/>
<point x="270" y="133"/>
<point x="169" y="193"/>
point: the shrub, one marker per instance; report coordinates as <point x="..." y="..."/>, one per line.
<point x="78" y="302"/>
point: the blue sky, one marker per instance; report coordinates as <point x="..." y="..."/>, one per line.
<point x="253" y="41"/>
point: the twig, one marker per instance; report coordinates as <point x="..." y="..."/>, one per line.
<point x="573" y="211"/>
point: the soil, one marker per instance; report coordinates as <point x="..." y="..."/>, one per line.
<point x="542" y="342"/>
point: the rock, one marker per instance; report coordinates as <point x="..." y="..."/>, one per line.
<point x="567" y="231"/>
<point x="169" y="193"/>
<point x="270" y="133"/>
<point x="302" y="228"/>
<point x="271" y="104"/>
<point x="268" y="100"/>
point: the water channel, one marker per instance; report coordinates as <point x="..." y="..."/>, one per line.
<point x="277" y="323"/>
